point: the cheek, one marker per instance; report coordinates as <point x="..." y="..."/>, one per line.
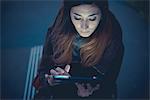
<point x="93" y="25"/>
<point x="76" y="24"/>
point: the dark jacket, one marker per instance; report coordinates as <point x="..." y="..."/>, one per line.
<point x="108" y="68"/>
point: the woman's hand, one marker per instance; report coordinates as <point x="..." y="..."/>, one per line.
<point x="86" y="90"/>
<point x="57" y="71"/>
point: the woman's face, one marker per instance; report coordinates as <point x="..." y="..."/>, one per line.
<point x="85" y="18"/>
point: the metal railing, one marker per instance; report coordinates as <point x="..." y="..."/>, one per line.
<point x="35" y="55"/>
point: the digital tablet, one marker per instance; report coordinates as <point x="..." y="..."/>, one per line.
<point x="66" y="78"/>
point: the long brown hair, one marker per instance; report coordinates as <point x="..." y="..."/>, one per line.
<point x="63" y="34"/>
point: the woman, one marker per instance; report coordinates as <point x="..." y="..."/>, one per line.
<point x="85" y="40"/>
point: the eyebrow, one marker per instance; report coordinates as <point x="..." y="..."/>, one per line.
<point x="77" y="14"/>
<point x="93" y="14"/>
<point x="88" y="16"/>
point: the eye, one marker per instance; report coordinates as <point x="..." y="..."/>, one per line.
<point x="77" y="18"/>
<point x="92" y="19"/>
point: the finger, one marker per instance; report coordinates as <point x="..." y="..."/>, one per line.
<point x="59" y="70"/>
<point x="82" y="91"/>
<point x="46" y="75"/>
<point x="91" y="92"/>
<point x="96" y="87"/>
<point x="49" y="78"/>
<point x="80" y="86"/>
<point x="51" y="81"/>
<point x="67" y="68"/>
<point x="89" y="87"/>
<point x="76" y="83"/>
<point x="53" y="72"/>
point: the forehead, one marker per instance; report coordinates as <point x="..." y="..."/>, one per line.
<point x="85" y="9"/>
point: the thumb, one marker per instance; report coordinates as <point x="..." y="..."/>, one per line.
<point x="67" y="68"/>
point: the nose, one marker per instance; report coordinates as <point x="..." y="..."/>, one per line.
<point x="84" y="24"/>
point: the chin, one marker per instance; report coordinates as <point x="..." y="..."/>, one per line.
<point x="88" y="35"/>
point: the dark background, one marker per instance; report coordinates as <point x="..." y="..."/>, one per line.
<point x="25" y="23"/>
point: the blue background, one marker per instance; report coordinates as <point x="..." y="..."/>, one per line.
<point x="24" y="24"/>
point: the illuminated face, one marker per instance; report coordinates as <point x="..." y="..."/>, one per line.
<point x="85" y="18"/>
